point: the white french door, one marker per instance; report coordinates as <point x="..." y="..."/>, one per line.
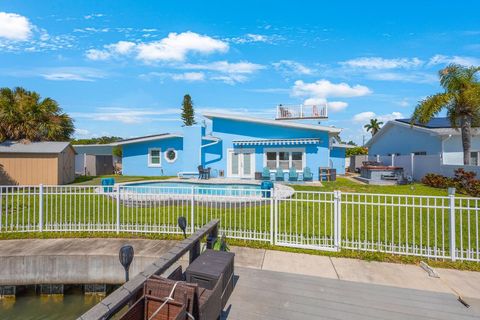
<point x="241" y="163"/>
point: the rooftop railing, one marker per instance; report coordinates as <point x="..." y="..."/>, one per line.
<point x="301" y="112"/>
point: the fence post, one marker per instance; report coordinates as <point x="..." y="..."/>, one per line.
<point x="393" y="159"/>
<point x="40" y="209"/>
<point x="118" y="209"/>
<point x="192" y="211"/>
<point x="451" y="195"/>
<point x="412" y="164"/>
<point x="272" y="215"/>
<point x="337" y="216"/>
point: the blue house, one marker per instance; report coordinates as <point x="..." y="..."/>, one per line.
<point x="236" y="146"/>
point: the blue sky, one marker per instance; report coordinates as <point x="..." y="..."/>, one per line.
<point x="122" y="67"/>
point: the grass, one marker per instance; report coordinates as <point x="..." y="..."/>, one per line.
<point x="97" y="180"/>
<point x="306" y="217"/>
<point x="347" y="185"/>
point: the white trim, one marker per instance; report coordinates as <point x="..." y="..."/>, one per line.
<point x="290" y="150"/>
<point x="154" y="165"/>
<point x="170" y="160"/>
<point x="148" y="138"/>
<point x="210" y="115"/>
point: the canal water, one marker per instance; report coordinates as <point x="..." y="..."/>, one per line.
<point x="30" y="306"/>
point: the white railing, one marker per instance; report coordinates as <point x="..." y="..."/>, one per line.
<point x="427" y="226"/>
<point x="285" y="112"/>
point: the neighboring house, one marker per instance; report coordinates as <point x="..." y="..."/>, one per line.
<point x="437" y="137"/>
<point x="94" y="159"/>
<point x="34" y="163"/>
<point x="236" y="147"/>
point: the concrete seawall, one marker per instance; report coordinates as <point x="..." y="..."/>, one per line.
<point x="73" y="261"/>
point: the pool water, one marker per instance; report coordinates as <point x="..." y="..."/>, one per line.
<point x="231" y="189"/>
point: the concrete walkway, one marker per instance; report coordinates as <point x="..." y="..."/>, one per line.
<point x="96" y="260"/>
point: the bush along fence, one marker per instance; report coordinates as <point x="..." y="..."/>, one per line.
<point x="428" y="226"/>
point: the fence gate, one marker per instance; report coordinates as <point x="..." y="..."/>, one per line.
<point x="307" y="220"/>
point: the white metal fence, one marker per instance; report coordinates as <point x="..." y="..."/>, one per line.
<point x="428" y="226"/>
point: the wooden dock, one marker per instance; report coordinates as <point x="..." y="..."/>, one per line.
<point x="261" y="294"/>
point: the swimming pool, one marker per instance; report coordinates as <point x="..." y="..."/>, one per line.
<point x="220" y="189"/>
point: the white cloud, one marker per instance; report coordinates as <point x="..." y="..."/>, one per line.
<point x="189" y="76"/>
<point x="95" y="54"/>
<point x="128" y="115"/>
<point x="94" y="15"/>
<point x="82" y="132"/>
<point x="382" y="63"/>
<point x="71" y="74"/>
<point x="464" y="61"/>
<point x="336" y="106"/>
<point x="291" y="67"/>
<point x="415" y="77"/>
<point x="325" y="89"/>
<point x="176" y="46"/>
<point x="367" y="115"/>
<point x="242" y="67"/>
<point x="252" y="37"/>
<point x="14" y="27"/>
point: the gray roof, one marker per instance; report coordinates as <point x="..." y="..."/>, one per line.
<point x="147" y="138"/>
<point x="33" y="147"/>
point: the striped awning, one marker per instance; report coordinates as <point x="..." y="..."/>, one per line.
<point x="281" y="142"/>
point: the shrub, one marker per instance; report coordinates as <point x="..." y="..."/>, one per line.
<point x="464" y="181"/>
<point x="437" y="181"/>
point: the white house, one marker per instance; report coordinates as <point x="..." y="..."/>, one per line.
<point x="437" y="137"/>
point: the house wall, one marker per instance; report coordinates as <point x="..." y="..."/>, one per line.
<point x="135" y="158"/>
<point x="28" y="169"/>
<point x="192" y="139"/>
<point x="229" y="130"/>
<point x="337" y="158"/>
<point x="404" y="140"/>
<point x="453" y="150"/>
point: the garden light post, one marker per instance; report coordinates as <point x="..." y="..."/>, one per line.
<point x="126" y="256"/>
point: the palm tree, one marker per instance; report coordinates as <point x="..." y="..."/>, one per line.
<point x="24" y="115"/>
<point x="461" y="99"/>
<point x="374" y="126"/>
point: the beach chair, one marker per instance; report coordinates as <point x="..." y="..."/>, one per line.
<point x="307" y="174"/>
<point x="279" y="175"/>
<point x="266" y="174"/>
<point x="292" y="174"/>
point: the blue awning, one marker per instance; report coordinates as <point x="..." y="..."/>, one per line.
<point x="278" y="142"/>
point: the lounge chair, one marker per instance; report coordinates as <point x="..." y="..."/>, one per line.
<point x="279" y="175"/>
<point x="292" y="174"/>
<point x="266" y="174"/>
<point x="307" y="174"/>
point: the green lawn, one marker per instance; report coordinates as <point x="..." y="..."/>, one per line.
<point x="346" y="185"/>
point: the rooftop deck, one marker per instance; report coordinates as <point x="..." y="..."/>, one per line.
<point x="299" y="112"/>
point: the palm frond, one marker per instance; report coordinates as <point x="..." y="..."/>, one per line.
<point x="430" y="107"/>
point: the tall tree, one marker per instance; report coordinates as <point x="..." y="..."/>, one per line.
<point x="373" y="126"/>
<point x="188" y="114"/>
<point x="461" y="100"/>
<point x="24" y="115"/>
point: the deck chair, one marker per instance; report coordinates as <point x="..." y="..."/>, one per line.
<point x="279" y="175"/>
<point x="292" y="174"/>
<point x="266" y="174"/>
<point x="307" y="174"/>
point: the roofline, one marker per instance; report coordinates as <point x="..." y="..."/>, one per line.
<point x="333" y="130"/>
<point x="147" y="138"/>
<point x="391" y="123"/>
<point x="95" y="145"/>
<point x="342" y="145"/>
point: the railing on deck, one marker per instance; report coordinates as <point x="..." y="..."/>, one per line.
<point x="299" y="112"/>
<point x="118" y="299"/>
<point x="439" y="227"/>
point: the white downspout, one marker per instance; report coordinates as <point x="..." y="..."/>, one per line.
<point x="443" y="151"/>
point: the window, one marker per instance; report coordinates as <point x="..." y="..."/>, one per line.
<point x="154" y="157"/>
<point x="271" y="160"/>
<point x="420" y="153"/>
<point x="297" y="160"/>
<point x="171" y="155"/>
<point x="474" y="158"/>
<point x="284" y="159"/>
